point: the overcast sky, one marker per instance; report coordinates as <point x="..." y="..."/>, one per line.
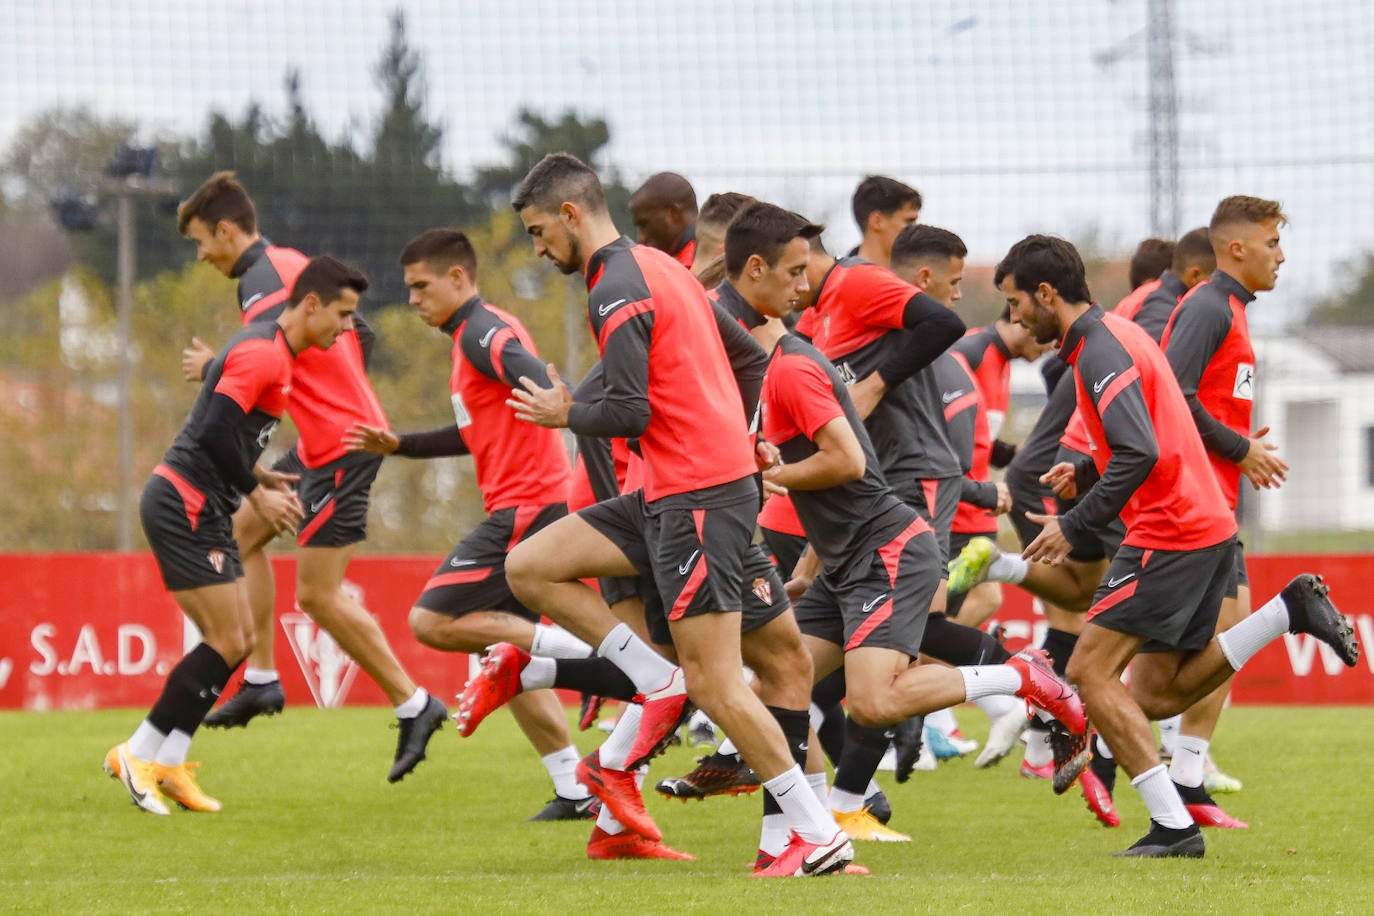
<point x="995" y="109"/>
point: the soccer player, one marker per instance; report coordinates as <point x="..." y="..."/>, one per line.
<point x="694" y="520"/>
<point x="715" y="215"/>
<point x="186" y="509"/>
<point x="523" y="473"/>
<point x="664" y="210"/>
<point x="882" y="208"/>
<point x="1159" y="602"/>
<point x="1193" y="263"/>
<point x="330" y="392"/>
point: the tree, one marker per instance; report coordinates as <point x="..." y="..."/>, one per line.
<point x="1353" y="301"/>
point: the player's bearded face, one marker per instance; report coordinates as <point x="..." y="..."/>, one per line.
<point x="1037" y="318"/>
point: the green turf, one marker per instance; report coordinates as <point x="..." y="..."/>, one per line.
<point x="311" y="825"/>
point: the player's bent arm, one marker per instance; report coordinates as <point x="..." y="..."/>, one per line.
<point x="436" y="443"/>
<point x="839" y="458"/>
<point x="218" y="438"/>
<point x="928" y="329"/>
<point x="1135" y="451"/>
<point x="623" y="411"/>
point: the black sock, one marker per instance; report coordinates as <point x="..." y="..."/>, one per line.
<point x="1059" y="645"/>
<point x="190" y="691"/>
<point x="957" y="644"/>
<point x="1103" y="767"/>
<point x="796" y="725"/>
<point x="863" y="750"/>
<point x="598" y="676"/>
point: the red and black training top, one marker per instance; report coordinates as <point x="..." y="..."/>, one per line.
<point x="1150" y="461"/>
<point x="685" y="251"/>
<point x="240" y="403"/>
<point x="667" y="376"/>
<point x="516" y="463"/>
<point x="967" y="419"/>
<point x="1208" y="345"/>
<point x="989" y="359"/>
<point x="330" y="391"/>
<point x="1153" y="309"/>
<point x="802" y="392"/>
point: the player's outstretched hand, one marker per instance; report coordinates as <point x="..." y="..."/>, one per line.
<point x="194" y="359"/>
<point x="373" y="439"/>
<point x="1261" y="466"/>
<point x="276" y="480"/>
<point x="1061" y="480"/>
<point x="1050" y="546"/>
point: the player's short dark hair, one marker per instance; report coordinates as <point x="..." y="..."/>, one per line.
<point x="220" y="198"/>
<point x="326" y="276"/>
<point x="668" y="188"/>
<point x="1152" y="257"/>
<point x="920" y="243"/>
<point x="559" y="178"/>
<point x="1047" y="259"/>
<point x="880" y="194"/>
<point x="763" y="229"/>
<point x="441" y="249"/>
<point x="1194" y="247"/>
<point x="719" y="209"/>
<point x="1242" y="209"/>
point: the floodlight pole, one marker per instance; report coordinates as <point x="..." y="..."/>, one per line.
<point x="128" y="253"/>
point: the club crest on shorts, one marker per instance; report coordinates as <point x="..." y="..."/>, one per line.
<point x="764" y="589"/>
<point x="216" y="558"/>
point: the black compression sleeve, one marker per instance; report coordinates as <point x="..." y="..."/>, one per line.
<point x="1002" y="453"/>
<point x="218" y="438"/>
<point x="437" y="443"/>
<point x="928" y="330"/>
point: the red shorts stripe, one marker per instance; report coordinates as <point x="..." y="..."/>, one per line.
<point x="524" y="517"/>
<point x="891" y="552"/>
<point x="316" y="523"/>
<point x="193" y="499"/>
<point x="693" y="583"/>
<point x="458" y="578"/>
<point x="931" y="490"/>
<point x="1113" y="599"/>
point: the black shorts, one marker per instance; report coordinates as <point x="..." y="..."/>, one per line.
<point x="473" y="576"/>
<point x="695" y="555"/>
<point x="763" y="597"/>
<point x="1239" y="577"/>
<point x="1171" y="597"/>
<point x="191" y="533"/>
<point x="335" y="496"/>
<point x="1106" y="541"/>
<point x="882" y="599"/>
<point x="1028" y="494"/>
<point x="786" y="549"/>
<point x="941" y="502"/>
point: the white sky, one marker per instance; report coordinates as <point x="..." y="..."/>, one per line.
<point x="993" y="108"/>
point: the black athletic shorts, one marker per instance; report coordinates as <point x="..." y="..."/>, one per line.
<point x="786" y="550"/>
<point x="335" y="496"/>
<point x="1239" y="576"/>
<point x="1107" y="541"/>
<point x="763" y="597"/>
<point x="1171" y="597"/>
<point x="1028" y="494"/>
<point x="191" y="533"/>
<point x="880" y="600"/>
<point x="473" y="576"/>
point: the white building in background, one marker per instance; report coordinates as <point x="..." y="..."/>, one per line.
<point x="1315" y="392"/>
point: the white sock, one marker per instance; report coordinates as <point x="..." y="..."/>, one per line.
<point x="773" y="835"/>
<point x="174" y="749"/>
<point x="1038" y="750"/>
<point x="413" y="706"/>
<point x="260" y="675"/>
<point x="538" y="673"/>
<point x="556" y="642"/>
<point x="727" y="747"/>
<point x="615" y="751"/>
<point x="804" y="813"/>
<point x="699" y="718"/>
<point x="145" y="741"/>
<point x="989" y="680"/>
<point x="840" y="800"/>
<point x="1008" y="567"/>
<point x="873" y="788"/>
<point x="1162" y="799"/>
<point x="943" y="720"/>
<point x="1102" y="748"/>
<point x="649" y="670"/>
<point x="997" y="705"/>
<point x="1190" y="752"/>
<point x="1168" y="732"/>
<point x="562" y="766"/>
<point x="817" y="717"/>
<point x="1240" y="643"/>
<point x="818" y="785"/>
<point x="607" y="822"/>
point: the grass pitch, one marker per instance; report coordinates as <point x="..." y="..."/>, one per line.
<point x="311" y="825"/>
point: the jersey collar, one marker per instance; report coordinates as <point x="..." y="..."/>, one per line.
<point x="1231" y="286"/>
<point x="249" y="258"/>
<point x="734" y="302"/>
<point x="455" y="321"/>
<point x="1170" y="283"/>
<point x="1081" y="328"/>
<point x="596" y="264"/>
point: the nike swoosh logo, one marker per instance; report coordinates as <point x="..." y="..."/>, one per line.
<point x="486" y="338"/>
<point x="874" y="603"/>
<point x="1192" y="750"/>
<point x="317" y="506"/>
<point x="685" y="567"/>
<point x="1097" y="389"/>
<point x="251" y="299"/>
<point x="783" y="792"/>
<point x="626" y="643"/>
<point x="803" y="747"/>
<point x="606" y="309"/>
<point x="582" y="805"/>
<point x="1113" y="583"/>
<point x="949" y="396"/>
<point x="455" y="563"/>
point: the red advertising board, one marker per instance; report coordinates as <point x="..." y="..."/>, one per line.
<point x="93" y="630"/>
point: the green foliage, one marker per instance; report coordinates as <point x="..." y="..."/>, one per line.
<point x="311" y="825"/>
<point x="1353" y="302"/>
